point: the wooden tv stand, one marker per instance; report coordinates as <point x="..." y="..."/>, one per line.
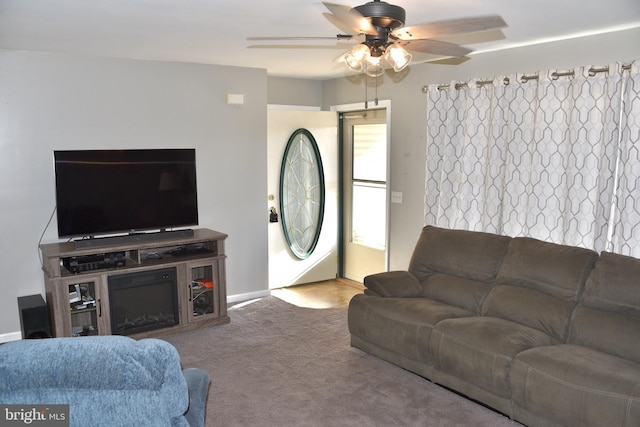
<point x="77" y="280"/>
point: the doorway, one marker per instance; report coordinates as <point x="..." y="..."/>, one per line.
<point x="286" y="269"/>
<point x="364" y="193"/>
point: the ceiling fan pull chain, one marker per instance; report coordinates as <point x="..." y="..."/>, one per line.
<point x="366" y="97"/>
<point x="376" y="98"/>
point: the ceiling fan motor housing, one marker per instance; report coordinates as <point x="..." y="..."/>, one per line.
<point x="382" y="14"/>
<point x="385" y="18"/>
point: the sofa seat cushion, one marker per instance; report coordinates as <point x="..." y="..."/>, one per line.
<point x="597" y="389"/>
<point x="480" y="349"/>
<point x="401" y="325"/>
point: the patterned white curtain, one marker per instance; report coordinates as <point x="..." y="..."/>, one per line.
<point x="555" y="157"/>
<point x="625" y="224"/>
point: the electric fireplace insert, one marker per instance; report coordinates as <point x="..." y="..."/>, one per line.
<point x="143" y="301"/>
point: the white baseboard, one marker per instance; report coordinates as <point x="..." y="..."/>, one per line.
<point x="10" y="336"/>
<point x="247" y="296"/>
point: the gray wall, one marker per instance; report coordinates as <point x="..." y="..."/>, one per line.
<point x="298" y="92"/>
<point x="408" y="111"/>
<point x="50" y="102"/>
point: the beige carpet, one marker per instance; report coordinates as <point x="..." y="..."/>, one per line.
<point x="276" y="364"/>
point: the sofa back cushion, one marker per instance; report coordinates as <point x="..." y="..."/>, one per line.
<point x="608" y="318"/>
<point x="529" y="307"/>
<point x="469" y="254"/>
<point x="538" y="284"/>
<point x="455" y="290"/>
<point x="558" y="270"/>
<point x="614" y="285"/>
<point x="114" y="378"/>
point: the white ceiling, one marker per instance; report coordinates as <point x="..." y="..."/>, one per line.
<point x="215" y="31"/>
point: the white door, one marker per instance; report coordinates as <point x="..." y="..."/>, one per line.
<point x="285" y="269"/>
<point x="364" y="215"/>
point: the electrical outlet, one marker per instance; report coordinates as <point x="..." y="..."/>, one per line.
<point x="396" y="197"/>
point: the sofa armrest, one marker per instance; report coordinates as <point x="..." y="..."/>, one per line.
<point x="394" y="284"/>
<point x="198" y="385"/>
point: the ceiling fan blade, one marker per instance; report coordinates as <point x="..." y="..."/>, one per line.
<point x="338" y="23"/>
<point x="472" y="38"/>
<point x="296" y="46"/>
<point x="351" y="18"/>
<point x="434" y="47"/>
<point x="271" y="38"/>
<point x="434" y="59"/>
<point x="451" y="27"/>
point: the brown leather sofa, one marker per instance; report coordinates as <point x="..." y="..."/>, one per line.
<point x="547" y="334"/>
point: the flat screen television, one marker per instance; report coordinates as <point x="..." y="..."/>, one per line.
<point x="102" y="192"/>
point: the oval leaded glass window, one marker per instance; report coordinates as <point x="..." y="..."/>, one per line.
<point x="301" y="193"/>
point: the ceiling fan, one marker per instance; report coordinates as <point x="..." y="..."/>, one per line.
<point x="387" y="40"/>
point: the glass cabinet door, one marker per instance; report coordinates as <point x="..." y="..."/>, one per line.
<point x="83" y="308"/>
<point x="203" y="301"/>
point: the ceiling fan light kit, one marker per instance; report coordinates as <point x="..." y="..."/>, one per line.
<point x="360" y="59"/>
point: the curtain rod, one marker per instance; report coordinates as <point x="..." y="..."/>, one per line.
<point x="555" y="76"/>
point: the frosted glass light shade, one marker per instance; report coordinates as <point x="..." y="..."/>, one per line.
<point x="397" y="57"/>
<point x="373" y="66"/>
<point x="356" y="57"/>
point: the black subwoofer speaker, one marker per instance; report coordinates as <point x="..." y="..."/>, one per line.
<point x="34" y="317"/>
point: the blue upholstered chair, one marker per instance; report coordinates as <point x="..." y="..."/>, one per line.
<point x="105" y="380"/>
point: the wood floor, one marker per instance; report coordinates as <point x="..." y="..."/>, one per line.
<point x="326" y="294"/>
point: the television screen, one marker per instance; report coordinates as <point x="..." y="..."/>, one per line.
<point x="113" y="191"/>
